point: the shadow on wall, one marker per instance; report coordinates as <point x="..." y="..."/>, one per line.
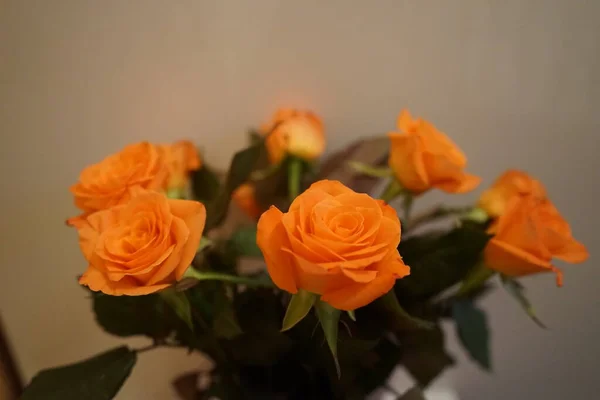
<point x="10" y="380"/>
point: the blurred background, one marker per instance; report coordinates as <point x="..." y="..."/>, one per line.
<point x="515" y="83"/>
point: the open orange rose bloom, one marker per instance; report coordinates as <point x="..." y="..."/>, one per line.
<point x="334" y="242"/>
<point x="140" y="247"/>
<point x="109" y="182"/>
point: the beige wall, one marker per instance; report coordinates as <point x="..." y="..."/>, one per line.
<point x="515" y="82"/>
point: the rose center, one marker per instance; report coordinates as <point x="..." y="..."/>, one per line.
<point x="345" y="223"/>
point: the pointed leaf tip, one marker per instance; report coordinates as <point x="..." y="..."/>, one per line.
<point x="97" y="378"/>
<point x="329" y="318"/>
<point x="473" y="332"/>
<point x="352" y="315"/>
<point x="516" y="290"/>
<point x="402" y="319"/>
<point x="298" y="308"/>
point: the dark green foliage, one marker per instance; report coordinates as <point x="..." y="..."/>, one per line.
<point x="133" y="315"/>
<point x="205" y="184"/>
<point x="97" y="378"/>
<point x="242" y="165"/>
<point x="424" y="354"/>
<point x="438" y="261"/>
<point x="243" y="242"/>
<point x="473" y="331"/>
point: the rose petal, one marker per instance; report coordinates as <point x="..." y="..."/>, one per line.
<point x="465" y="183"/>
<point x="406" y="160"/>
<point x="98" y="282"/>
<point x="356" y="295"/>
<point x="393" y="264"/>
<point x="331" y="187"/>
<point x="313" y="277"/>
<point x="193" y="214"/>
<point x="569" y="250"/>
<point x="404" y="121"/>
<point x="521" y="227"/>
<point x="513" y="261"/>
<point x="360" y="276"/>
<point x="180" y="236"/>
<point x="447" y="175"/>
<point x="271" y="238"/>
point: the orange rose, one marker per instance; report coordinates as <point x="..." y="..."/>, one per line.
<point x="422" y="158"/>
<point x="243" y="196"/>
<point x="510" y="184"/>
<point x="142" y="246"/>
<point x="180" y="158"/>
<point x="528" y="235"/>
<point x="111" y="181"/>
<point x="333" y="242"/>
<point x="294" y="132"/>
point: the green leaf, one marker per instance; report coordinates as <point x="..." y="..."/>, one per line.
<point x="439" y="261"/>
<point x="376" y="368"/>
<point x="370" y="151"/>
<point x="97" y="378"/>
<point x="515" y="289"/>
<point x="424" y="354"/>
<point x="205" y="243"/>
<point x="352" y="315"/>
<point x="241" y="167"/>
<point x="473" y="332"/>
<point x="180" y="304"/>
<point x="252" y="348"/>
<point x="475" y="279"/>
<point x="254" y="136"/>
<point x="362" y="168"/>
<point x="132" y="315"/>
<point x="265" y="173"/>
<point x="273" y="189"/>
<point x="413" y="394"/>
<point x="299" y="306"/>
<point x="225" y="324"/>
<point x="259" y="313"/>
<point x="205" y="184"/>
<point x="329" y="318"/>
<point x="476" y="215"/>
<point x="243" y="242"/>
<point x="402" y="319"/>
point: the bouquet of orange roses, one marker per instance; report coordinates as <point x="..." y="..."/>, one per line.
<point x="346" y="282"/>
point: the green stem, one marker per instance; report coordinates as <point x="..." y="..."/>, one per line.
<point x="294" y="176"/>
<point x="217" y="276"/>
<point x="392" y="190"/>
<point x="475" y="279"/>
<point x="407" y="203"/>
